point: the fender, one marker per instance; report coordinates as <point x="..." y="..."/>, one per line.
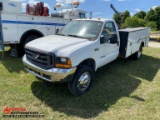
<point x="32" y="31"/>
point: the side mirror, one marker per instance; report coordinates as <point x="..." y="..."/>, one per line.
<point x="104" y="39"/>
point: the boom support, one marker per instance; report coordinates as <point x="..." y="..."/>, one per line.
<point x="119" y="15"/>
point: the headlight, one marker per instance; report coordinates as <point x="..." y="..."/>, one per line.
<point x="63" y="62"/>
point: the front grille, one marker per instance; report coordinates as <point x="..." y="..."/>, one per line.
<point x="40" y="59"/>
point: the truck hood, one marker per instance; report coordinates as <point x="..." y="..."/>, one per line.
<point x="56" y="43"/>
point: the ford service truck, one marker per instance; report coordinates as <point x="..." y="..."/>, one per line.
<point x="79" y="49"/>
<point x="17" y="28"/>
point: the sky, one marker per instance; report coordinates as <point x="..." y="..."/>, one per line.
<point x="101" y="8"/>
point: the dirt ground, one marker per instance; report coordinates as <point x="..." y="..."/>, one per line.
<point x="154" y="44"/>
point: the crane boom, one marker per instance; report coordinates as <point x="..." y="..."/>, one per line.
<point x="119" y="15"/>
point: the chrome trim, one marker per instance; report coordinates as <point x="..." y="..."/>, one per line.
<point x="84" y="81"/>
<point x="54" y="74"/>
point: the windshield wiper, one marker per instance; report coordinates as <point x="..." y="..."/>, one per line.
<point x="77" y="36"/>
<point x="60" y="34"/>
<point x="73" y="35"/>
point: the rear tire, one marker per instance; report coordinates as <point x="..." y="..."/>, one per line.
<point x="82" y="80"/>
<point x="138" y="54"/>
<point x="20" y="47"/>
<point x="29" y="39"/>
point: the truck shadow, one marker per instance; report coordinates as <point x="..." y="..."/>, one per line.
<point x="10" y="63"/>
<point x="112" y="82"/>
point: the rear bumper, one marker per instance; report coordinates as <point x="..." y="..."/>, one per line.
<point x="52" y="75"/>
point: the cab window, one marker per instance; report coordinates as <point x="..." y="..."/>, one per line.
<point x="110" y="29"/>
<point x="81" y="15"/>
<point x="110" y="26"/>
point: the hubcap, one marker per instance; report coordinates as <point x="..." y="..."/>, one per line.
<point x="84" y="81"/>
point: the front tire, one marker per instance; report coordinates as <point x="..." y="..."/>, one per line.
<point x="138" y="54"/>
<point x="81" y="81"/>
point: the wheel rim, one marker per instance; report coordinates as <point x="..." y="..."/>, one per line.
<point x="84" y="81"/>
<point x="139" y="54"/>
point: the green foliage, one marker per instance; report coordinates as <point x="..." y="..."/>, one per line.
<point x="152" y="25"/>
<point x="157" y="14"/>
<point x="154" y="15"/>
<point x="140" y="19"/>
<point x="141" y="14"/>
<point x="116" y="18"/>
<point x="150" y="15"/>
<point x="134" y="22"/>
<point x="125" y="15"/>
<point x="141" y="22"/>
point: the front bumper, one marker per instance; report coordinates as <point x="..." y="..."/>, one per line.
<point x="52" y="75"/>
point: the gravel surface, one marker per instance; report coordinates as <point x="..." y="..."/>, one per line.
<point x="154" y="44"/>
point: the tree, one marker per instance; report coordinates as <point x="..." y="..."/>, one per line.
<point x="131" y="22"/>
<point x="124" y="15"/>
<point x="141" y="22"/>
<point x="154" y="15"/>
<point x="152" y="25"/>
<point x="134" y="22"/>
<point x="157" y="15"/>
<point x="116" y="18"/>
<point x="151" y="16"/>
<point x="141" y="14"/>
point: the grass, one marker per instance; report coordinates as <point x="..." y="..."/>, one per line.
<point x="122" y="90"/>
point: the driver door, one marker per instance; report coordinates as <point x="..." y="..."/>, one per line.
<point x="110" y="49"/>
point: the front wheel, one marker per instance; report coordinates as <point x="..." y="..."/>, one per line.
<point x="81" y="81"/>
<point x="138" y="54"/>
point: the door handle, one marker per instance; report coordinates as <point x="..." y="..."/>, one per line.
<point x="96" y="49"/>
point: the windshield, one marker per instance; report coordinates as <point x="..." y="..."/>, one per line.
<point x="82" y="28"/>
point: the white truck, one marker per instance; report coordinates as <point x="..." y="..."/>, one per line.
<point x="17" y="28"/>
<point x="79" y="49"/>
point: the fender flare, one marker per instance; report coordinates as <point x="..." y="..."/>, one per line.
<point x="31" y="32"/>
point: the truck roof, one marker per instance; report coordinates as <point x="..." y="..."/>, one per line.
<point x="96" y="19"/>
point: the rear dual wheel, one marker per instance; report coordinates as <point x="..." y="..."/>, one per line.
<point x="138" y="54"/>
<point x="21" y="47"/>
